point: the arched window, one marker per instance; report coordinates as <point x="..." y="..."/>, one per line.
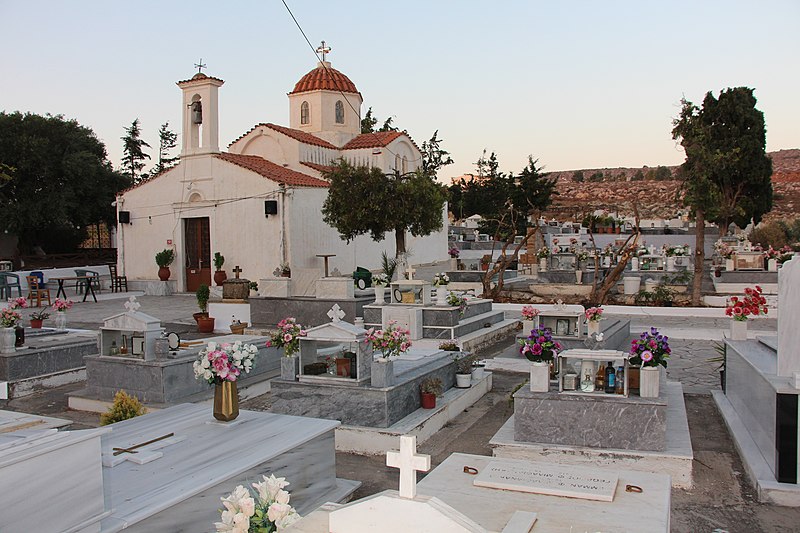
<point x="339" y="112"/>
<point x="305" y="114"/>
<point x="397" y="162"/>
<point x="405" y="165"/>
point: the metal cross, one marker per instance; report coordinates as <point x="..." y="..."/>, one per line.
<point x="324" y="50"/>
<point x="237" y="270"/>
<point x="132" y="305"/>
<point x="336" y="313"/>
<point x="200" y="66"/>
<point x="409" y="462"/>
<point x="410" y="272"/>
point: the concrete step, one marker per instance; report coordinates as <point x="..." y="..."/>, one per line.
<point x="465" y="326"/>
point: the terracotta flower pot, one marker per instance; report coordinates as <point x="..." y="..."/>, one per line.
<point x="219" y="277"/>
<point x="205" y="324"/>
<point x="36" y="324"/>
<point x="428" y="400"/>
<point x="163" y="273"/>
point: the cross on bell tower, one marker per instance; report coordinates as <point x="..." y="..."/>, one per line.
<point x="324" y="50"/>
<point x="200" y="66"/>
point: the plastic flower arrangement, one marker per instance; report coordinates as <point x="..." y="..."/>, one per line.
<point x="380" y="280"/>
<point x="594" y="314"/>
<point x="391" y="341"/>
<point x="581" y="255"/>
<point x="267" y="511"/>
<point x="456" y="300"/>
<point x="9" y="317"/>
<point x="608" y="250"/>
<point x="539" y="346"/>
<point x="670" y="250"/>
<point x="786" y="254"/>
<point x="62" y="305"/>
<point x="772" y="253"/>
<point x="17" y="303"/>
<point x="650" y="349"/>
<point x="224" y="362"/>
<point x="753" y="304"/>
<point x="543" y="252"/>
<point x="529" y="312"/>
<point x="723" y="250"/>
<point x="287" y="336"/>
<point x="453" y="252"/>
<point x="440" y="279"/>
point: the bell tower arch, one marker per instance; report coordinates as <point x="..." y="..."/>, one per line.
<point x="200" y="114"/>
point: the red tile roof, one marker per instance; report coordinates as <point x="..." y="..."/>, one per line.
<point x="199" y="76"/>
<point x="317" y="166"/>
<point x="271" y="171"/>
<point x="324" y="78"/>
<point x="298" y="135"/>
<point x="372" y="140"/>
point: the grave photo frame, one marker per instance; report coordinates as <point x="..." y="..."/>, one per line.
<point x="562" y="326"/>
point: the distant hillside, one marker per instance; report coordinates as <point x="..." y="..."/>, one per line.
<point x="656" y="192"/>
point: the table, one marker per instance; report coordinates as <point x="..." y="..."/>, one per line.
<point x="325" y="257"/>
<point x="88" y="280"/>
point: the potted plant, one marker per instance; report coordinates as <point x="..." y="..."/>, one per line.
<point x="650" y="351"/>
<point x="286" y="271"/>
<point x="429" y="390"/>
<point x="205" y="323"/>
<point x="540" y="348"/>
<point x="463" y="363"/>
<point x="9" y="318"/>
<point x="37" y="317"/>
<point x="164" y="259"/>
<point x="253" y="288"/>
<point x="219" y="275"/>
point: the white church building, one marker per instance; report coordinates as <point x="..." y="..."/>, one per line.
<point x="259" y="203"/>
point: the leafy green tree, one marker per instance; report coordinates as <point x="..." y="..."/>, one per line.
<point x="434" y="157"/>
<point x="638" y="175"/>
<point x="396" y="203"/>
<point x="726" y="175"/>
<point x="133" y="152"/>
<point x="577" y="176"/>
<point x="662" y="173"/>
<point x="369" y="122"/>
<point x="59" y="181"/>
<point x="596" y="177"/>
<point x="167" y="140"/>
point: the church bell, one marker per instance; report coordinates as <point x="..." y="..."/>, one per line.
<point x="197" y="113"/>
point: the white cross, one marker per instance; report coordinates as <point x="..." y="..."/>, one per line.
<point x="559" y="306"/>
<point x="336" y="313"/>
<point x="409" y="462"/>
<point x="132" y="305"/>
<point x="410" y="272"/>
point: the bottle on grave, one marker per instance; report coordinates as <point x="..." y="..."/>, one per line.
<point x="620" y="380"/>
<point x="600" y="378"/>
<point x="610" y="375"/>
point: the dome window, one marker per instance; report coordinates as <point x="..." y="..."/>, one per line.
<point x="305" y="113"/>
<point x="339" y="112"/>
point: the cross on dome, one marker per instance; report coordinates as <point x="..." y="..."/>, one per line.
<point x="336" y="313"/>
<point x="324" y="50"/>
<point x="132" y="305"/>
<point x="409" y="462"/>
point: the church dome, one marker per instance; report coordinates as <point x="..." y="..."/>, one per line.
<point x="324" y="78"/>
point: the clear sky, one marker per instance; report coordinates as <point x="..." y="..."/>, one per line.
<point x="577" y="84"/>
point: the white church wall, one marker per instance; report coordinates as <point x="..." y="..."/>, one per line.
<point x="267" y="146"/>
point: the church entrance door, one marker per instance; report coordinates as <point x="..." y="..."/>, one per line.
<point x="198" y="252"/>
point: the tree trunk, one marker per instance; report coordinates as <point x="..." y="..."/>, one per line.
<point x="399" y="242"/>
<point x="699" y="256"/>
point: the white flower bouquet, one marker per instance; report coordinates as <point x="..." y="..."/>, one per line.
<point x="224" y="362"/>
<point x="440" y="279"/>
<point x="268" y="511"/>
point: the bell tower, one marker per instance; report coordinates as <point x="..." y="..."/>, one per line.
<point x="200" y="114"/>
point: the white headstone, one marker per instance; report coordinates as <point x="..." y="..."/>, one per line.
<point x="555" y="480"/>
<point x="789" y="310"/>
<point x="132" y="305"/>
<point x="336" y="313"/>
<point x="409" y="462"/>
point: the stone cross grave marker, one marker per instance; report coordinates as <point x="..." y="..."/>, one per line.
<point x="132" y="305"/>
<point x="409" y="462"/>
<point x="336" y="313"/>
<point x="539" y="478"/>
<point x="237" y="270"/>
<point x="410" y="272"/>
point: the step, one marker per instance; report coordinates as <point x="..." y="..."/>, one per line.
<point x="464" y="326"/>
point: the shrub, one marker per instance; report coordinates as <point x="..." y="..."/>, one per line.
<point x="123" y="408"/>
<point x="203" y="294"/>
<point x="165" y="257"/>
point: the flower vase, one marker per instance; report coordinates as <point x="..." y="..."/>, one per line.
<point x="738" y="330"/>
<point x="543" y="264"/>
<point x="649" y="381"/>
<point x="579" y="276"/>
<point x="441" y="295"/>
<point x="289" y="367"/>
<point x="540" y="376"/>
<point x="772" y="265"/>
<point x="8" y="338"/>
<point x="634" y="264"/>
<point x="729" y="265"/>
<point x="670" y="263"/>
<point x="379" y="294"/>
<point x="60" y="319"/>
<point x="453" y="263"/>
<point x="593" y="327"/>
<point x="226" y="401"/>
<point x="606" y="261"/>
<point x="382" y="372"/>
<point x="529" y="325"/>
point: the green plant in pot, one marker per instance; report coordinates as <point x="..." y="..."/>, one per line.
<point x="205" y="323"/>
<point x="164" y="259"/>
<point x="429" y="390"/>
<point x="463" y="363"/>
<point x="219" y="274"/>
<point x="37" y="317"/>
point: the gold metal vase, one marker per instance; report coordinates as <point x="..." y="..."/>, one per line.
<point x="226" y="401"/>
